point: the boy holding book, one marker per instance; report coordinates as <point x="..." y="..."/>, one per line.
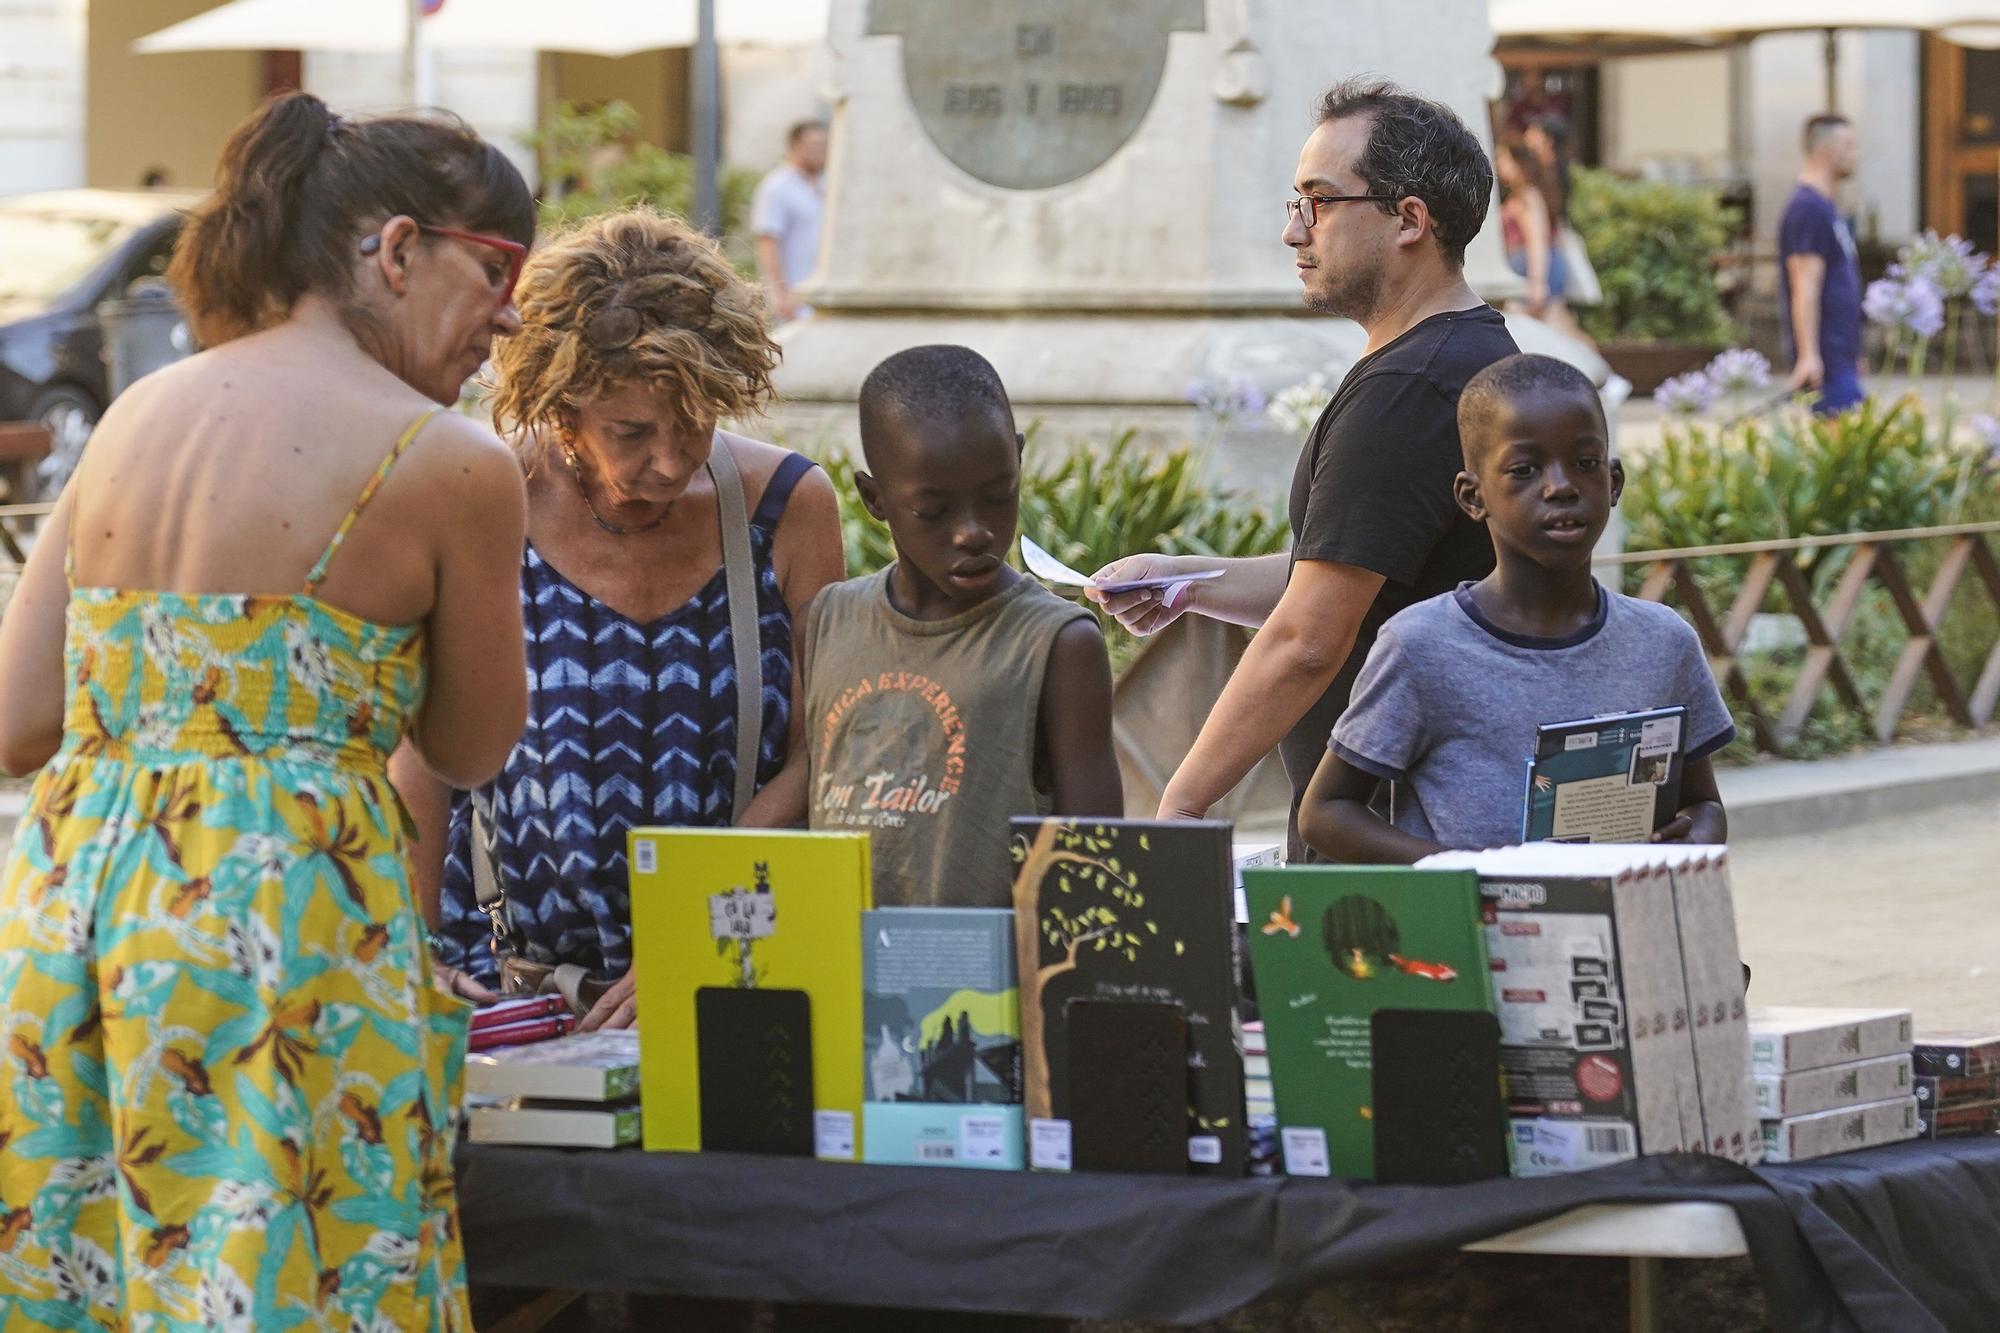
<point x="1446" y="707"/>
<point x="947" y="693"/>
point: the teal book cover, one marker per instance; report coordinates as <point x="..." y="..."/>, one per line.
<point x="1330" y="945"/>
<point x="1605" y="779"/>
<point x="941" y="1038"/>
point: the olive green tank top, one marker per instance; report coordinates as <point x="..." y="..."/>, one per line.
<point x="922" y="733"/>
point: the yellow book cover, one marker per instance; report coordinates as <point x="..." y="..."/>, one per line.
<point x="732" y="909"/>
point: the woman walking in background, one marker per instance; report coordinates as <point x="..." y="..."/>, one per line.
<point x="1530" y="228"/>
<point x="230" y="1087"/>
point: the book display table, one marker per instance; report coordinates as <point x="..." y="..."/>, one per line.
<point x="1896" y="1240"/>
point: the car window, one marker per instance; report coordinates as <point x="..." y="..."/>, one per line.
<point x="43" y="254"/>
<point x="150" y="262"/>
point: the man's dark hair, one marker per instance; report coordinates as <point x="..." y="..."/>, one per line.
<point x="1418" y="149"/>
<point x="1819" y="126"/>
<point x="1505" y="381"/>
<point x="937" y="383"/>
<point x="801" y="129"/>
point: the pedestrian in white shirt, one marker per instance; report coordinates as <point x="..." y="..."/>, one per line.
<point x="784" y="218"/>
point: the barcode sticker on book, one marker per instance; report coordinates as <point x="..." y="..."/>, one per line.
<point x="1305" y="1151"/>
<point x="982" y="1138"/>
<point x="1583" y="740"/>
<point x="645" y="856"/>
<point x="833" y="1135"/>
<point x="1205" y="1149"/>
<point x="1660" y="736"/>
<point x="1545" y="1147"/>
<point x="1608" y="1139"/>
<point x="937" y="1152"/>
<point x="1048" y="1145"/>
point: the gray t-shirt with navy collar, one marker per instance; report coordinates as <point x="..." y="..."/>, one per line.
<point x="1447" y="705"/>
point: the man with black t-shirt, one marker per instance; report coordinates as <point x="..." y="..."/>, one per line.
<point x="1391" y="187"/>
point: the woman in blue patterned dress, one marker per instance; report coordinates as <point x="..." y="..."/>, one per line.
<point x="637" y="338"/>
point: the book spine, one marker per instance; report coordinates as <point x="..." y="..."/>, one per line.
<point x="519" y="1034"/>
<point x="517" y="1011"/>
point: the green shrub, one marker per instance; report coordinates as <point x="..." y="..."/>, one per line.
<point x="1089" y="507"/>
<point x="592" y="162"/>
<point x="1654" y="247"/>
<point x="1877" y="468"/>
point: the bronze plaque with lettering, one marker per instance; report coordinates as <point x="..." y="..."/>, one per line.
<point x="1031" y="93"/>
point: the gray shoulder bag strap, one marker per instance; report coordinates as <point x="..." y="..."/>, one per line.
<point x="740" y="585"/>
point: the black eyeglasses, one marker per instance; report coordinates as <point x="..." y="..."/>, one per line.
<point x="1306" y="207"/>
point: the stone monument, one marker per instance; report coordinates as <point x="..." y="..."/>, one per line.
<point x="1092" y="194"/>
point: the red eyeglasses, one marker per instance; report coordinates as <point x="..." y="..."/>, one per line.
<point x="517" y="253"/>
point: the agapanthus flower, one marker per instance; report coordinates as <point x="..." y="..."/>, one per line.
<point x="1948" y="263"/>
<point x="1686" y="395"/>
<point x="1739" y="370"/>
<point x="1986" y="292"/>
<point x="1226" y="400"/>
<point x="1295" y="409"/>
<point x="1911" y="303"/>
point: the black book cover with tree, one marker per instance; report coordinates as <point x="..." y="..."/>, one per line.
<point x="1137" y="911"/>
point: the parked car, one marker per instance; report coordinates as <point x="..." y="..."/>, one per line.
<point x="61" y="253"/>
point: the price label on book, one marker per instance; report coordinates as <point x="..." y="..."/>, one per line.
<point x="833" y="1135"/>
<point x="982" y="1138"/>
<point x="645" y="856"/>
<point x="1205" y="1149"/>
<point x="1305" y="1151"/>
<point x="1048" y="1145"/>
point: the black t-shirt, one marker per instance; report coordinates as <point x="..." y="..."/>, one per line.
<point x="1374" y="489"/>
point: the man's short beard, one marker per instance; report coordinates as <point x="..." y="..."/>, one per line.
<point x="1356" y="295"/>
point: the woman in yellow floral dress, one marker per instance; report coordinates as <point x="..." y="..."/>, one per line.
<point x="227" y="1087"/>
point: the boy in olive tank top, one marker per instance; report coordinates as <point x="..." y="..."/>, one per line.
<point x="947" y="693"/>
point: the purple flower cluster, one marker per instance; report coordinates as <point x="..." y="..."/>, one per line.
<point x="1226" y="400"/>
<point x="1912" y="303"/>
<point x="1949" y="263"/>
<point x="1686" y="395"/>
<point x="1739" y="370"/>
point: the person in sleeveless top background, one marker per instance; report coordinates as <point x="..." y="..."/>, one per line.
<point x="229" y="1096"/>
<point x="637" y="338"/>
<point x="948" y="693"/>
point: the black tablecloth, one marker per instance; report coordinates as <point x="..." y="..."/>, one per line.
<point x="1893" y="1240"/>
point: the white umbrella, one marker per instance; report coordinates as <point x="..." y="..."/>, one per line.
<point x="1966" y="21"/>
<point x="589" y="27"/>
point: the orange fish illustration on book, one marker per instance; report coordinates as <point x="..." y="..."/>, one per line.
<point x="1416" y="967"/>
<point x="1281" y="922"/>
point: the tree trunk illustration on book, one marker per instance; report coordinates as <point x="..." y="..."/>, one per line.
<point x="1124" y="910"/>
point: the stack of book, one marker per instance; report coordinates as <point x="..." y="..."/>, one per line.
<point x="518" y="1022"/>
<point x="1831" y="1080"/>
<point x="1619" y="991"/>
<point x="578" y="1091"/>
<point x="1259" y="1102"/>
<point x="1957" y="1084"/>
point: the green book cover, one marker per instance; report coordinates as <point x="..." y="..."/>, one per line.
<point x="1329" y="945"/>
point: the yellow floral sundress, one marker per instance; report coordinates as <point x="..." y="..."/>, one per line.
<point x="228" y="1092"/>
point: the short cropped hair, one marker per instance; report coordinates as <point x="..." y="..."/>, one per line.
<point x="635" y="297"/>
<point x="1418" y="149"/>
<point x="939" y="382"/>
<point x="1506" y="381"/>
<point x="1820" y="127"/>
<point x="801" y="129"/>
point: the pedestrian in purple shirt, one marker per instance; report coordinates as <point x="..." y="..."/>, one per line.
<point x="1819" y="274"/>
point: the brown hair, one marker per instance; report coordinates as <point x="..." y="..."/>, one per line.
<point x="632" y="298"/>
<point x="296" y="189"/>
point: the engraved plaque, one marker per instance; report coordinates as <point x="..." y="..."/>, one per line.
<point x="1027" y="94"/>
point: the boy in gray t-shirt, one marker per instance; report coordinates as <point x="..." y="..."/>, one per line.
<point x="1447" y="705"/>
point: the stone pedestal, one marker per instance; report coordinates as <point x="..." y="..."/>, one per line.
<point x="1093" y="195"/>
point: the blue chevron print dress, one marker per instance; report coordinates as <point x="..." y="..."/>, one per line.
<point x="628" y="723"/>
